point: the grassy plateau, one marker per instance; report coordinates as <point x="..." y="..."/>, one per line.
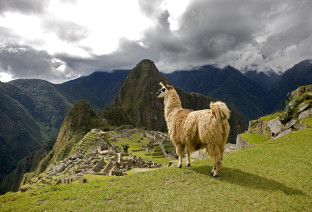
<point x="273" y="176"/>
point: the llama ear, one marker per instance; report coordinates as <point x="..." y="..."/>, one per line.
<point x="162" y="84"/>
<point x="169" y="87"/>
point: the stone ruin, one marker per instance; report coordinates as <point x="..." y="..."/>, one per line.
<point x="96" y="155"/>
<point x="104" y="160"/>
<point x="156" y="139"/>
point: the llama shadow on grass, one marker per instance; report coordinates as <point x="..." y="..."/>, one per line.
<point x="245" y="179"/>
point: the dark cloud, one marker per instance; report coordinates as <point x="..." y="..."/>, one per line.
<point x="25" y="62"/>
<point x="65" y="30"/>
<point x="291" y="26"/>
<point x="233" y="32"/>
<point x="210" y="29"/>
<point x="262" y="34"/>
<point x="223" y="32"/>
<point x="23" y="6"/>
<point x="128" y="55"/>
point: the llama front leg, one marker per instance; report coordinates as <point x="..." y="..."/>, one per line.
<point x="216" y="168"/>
<point x="180" y="152"/>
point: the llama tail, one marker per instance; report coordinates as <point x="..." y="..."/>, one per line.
<point x="220" y="111"/>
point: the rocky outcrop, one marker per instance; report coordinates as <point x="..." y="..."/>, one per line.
<point x="306" y="113"/>
<point x="259" y="126"/>
<point x="299" y="107"/>
<point x="275" y="126"/>
<point x="280" y="129"/>
<point x="242" y="143"/>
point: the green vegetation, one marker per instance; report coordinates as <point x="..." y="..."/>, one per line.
<point x="125" y="147"/>
<point x="116" y="116"/>
<point x="273" y="176"/>
<point x="79" y="121"/>
<point x="307" y="121"/>
<point x="254" y="138"/>
<point x="271" y="116"/>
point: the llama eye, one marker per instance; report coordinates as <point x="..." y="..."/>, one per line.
<point x="163" y="90"/>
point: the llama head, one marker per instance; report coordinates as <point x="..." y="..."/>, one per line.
<point x="164" y="90"/>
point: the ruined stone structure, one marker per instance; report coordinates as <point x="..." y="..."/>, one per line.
<point x="106" y="161"/>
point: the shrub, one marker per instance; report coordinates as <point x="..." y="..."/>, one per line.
<point x="125" y="147"/>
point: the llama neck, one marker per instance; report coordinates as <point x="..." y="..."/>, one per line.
<point x="172" y="103"/>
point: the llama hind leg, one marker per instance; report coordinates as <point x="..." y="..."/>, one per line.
<point x="180" y="152"/>
<point x="188" y="153"/>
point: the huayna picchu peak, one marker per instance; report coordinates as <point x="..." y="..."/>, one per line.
<point x="136" y="101"/>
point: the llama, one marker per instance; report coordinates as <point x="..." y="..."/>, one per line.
<point x="194" y="130"/>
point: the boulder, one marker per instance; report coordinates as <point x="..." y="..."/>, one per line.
<point x="284" y="133"/>
<point x="260" y="127"/>
<point x="302" y="107"/>
<point x="290" y="124"/>
<point x="275" y="126"/>
<point x="305" y="113"/>
<point x="300" y="126"/>
<point x="242" y="143"/>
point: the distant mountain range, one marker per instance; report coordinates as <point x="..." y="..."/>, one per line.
<point x="227" y="84"/>
<point x="32" y="111"/>
<point x="98" y="89"/>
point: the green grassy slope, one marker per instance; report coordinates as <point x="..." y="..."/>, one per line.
<point x="45" y="103"/>
<point x="273" y="176"/>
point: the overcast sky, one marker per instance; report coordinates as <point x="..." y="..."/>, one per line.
<point x="58" y="40"/>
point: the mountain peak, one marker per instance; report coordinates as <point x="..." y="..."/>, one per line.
<point x="143" y="69"/>
<point x="137" y="95"/>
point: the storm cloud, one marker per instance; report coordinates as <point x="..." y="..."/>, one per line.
<point x="254" y="34"/>
<point x="260" y="35"/>
<point x="25" y="62"/>
<point x="240" y="33"/>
